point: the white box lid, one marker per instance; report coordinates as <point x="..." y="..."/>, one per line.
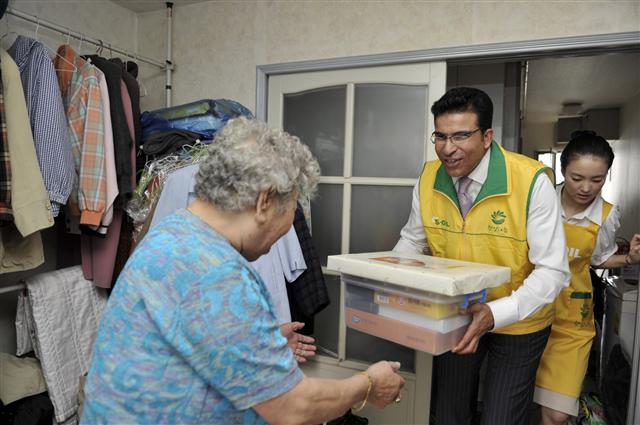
<point x="422" y="272"/>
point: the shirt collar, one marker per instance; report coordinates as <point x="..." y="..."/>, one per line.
<point x="20" y="50"/>
<point x="479" y="174"/>
<point x="592" y="213"/>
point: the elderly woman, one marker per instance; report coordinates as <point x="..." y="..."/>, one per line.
<point x="189" y="334"/>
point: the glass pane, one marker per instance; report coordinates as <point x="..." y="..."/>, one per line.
<point x="326" y="220"/>
<point x="379" y="231"/>
<point x="389" y="130"/>
<point x="317" y="117"/>
<point x="327" y="321"/>
<point x="371" y="349"/>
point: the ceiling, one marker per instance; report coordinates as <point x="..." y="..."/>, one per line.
<point x="141" y="6"/>
<point x="601" y="81"/>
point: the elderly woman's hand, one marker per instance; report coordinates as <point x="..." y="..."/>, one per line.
<point x="301" y="345"/>
<point x="386" y="383"/>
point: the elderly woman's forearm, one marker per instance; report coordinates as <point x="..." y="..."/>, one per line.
<point x="314" y="401"/>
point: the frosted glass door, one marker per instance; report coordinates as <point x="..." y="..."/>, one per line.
<point x="369" y="130"/>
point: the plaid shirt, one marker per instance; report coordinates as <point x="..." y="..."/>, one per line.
<point x="5" y="164"/>
<point x="47" y="118"/>
<point x="83" y="103"/>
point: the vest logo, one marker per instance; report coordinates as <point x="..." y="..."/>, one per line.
<point x="498" y="217"/>
<point x="573" y="253"/>
<point x="440" y="222"/>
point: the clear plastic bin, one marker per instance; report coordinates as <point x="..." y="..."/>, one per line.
<point x="403" y="333"/>
<point x="418" y="331"/>
<point x="429" y="304"/>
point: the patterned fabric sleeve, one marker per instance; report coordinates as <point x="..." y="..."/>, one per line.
<point x="50" y="135"/>
<point x="85" y="119"/>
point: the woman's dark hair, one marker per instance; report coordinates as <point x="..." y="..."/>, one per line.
<point x="586" y="142"/>
<point x="466" y="99"/>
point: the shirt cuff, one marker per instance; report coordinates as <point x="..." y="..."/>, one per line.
<point x="90" y="217"/>
<point x="505" y="312"/>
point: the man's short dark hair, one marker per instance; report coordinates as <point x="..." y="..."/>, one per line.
<point x="466" y="99"/>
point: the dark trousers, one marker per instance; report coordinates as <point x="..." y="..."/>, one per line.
<point x="508" y="386"/>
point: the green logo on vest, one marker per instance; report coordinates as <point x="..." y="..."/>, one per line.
<point x="498" y="217"/>
<point x="440" y="222"/>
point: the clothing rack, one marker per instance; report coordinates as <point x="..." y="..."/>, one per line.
<point x="167" y="65"/>
<point x="20" y="286"/>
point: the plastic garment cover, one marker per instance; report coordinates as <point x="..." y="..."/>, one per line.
<point x="204" y="117"/>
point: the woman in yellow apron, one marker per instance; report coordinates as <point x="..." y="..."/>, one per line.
<point x="590" y="224"/>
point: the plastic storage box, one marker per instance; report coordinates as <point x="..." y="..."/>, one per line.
<point x="413" y="299"/>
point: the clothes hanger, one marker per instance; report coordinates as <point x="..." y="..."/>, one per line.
<point x="143" y="93"/>
<point x="35" y="37"/>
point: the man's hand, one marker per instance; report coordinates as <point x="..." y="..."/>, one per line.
<point x="301" y="345"/>
<point x="482" y="322"/>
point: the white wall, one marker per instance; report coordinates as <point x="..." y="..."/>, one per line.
<point x="98" y="19"/>
<point x="218" y="45"/>
<point x="623" y="189"/>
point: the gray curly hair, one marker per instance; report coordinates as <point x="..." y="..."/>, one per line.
<point x="247" y="158"/>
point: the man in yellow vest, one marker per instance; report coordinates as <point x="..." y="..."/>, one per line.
<point x="481" y="203"/>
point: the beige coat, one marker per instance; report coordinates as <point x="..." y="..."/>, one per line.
<point x="21" y="244"/>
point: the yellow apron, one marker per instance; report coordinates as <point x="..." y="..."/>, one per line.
<point x="565" y="358"/>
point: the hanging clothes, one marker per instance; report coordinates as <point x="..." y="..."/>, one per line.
<point x="109" y="155"/>
<point x="5" y="164"/>
<point x="307" y="294"/>
<point x="21" y="244"/>
<point x="99" y="253"/>
<point x="47" y="118"/>
<point x="80" y="90"/>
<point x="130" y="75"/>
<point x="283" y="263"/>
<point x="122" y="140"/>
<point x="152" y="179"/>
<point x="66" y="310"/>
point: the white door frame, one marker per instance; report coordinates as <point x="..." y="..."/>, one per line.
<point x="530" y="49"/>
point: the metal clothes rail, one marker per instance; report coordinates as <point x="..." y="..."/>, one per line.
<point x="12" y="288"/>
<point x="167" y="65"/>
<point x="79" y="36"/>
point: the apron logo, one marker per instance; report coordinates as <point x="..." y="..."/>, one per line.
<point x="498" y="217"/>
<point x="586" y="321"/>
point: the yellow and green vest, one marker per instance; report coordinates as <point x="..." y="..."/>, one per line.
<point x="495" y="229"/>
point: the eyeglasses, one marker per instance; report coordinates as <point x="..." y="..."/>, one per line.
<point x="456" y="138"/>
